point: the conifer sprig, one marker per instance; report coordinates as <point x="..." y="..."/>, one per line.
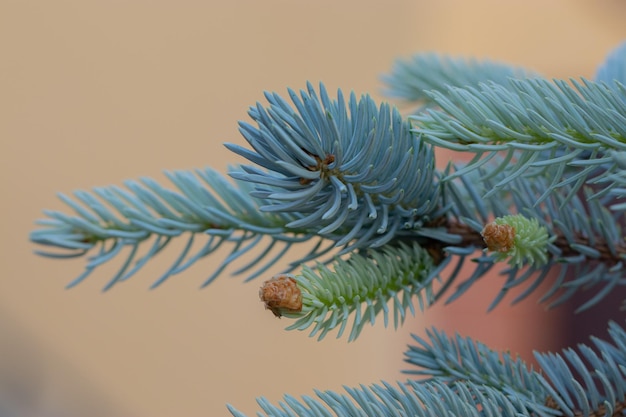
<point x="614" y="67"/>
<point x="457" y="359"/>
<point x="412" y="78"/>
<point x="465" y="378"/>
<point x="360" y="288"/>
<point x="326" y="169"/>
<point x="109" y="220"/>
<point x="582" y="240"/>
<point x="589" y="382"/>
<point x="541" y="127"/>
<point x="350" y="170"/>
<point x="525" y="241"/>
<point x="548" y="154"/>
<point x="392" y="400"/>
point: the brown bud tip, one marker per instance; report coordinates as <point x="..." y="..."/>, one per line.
<point x="499" y="237"/>
<point x="281" y="293"/>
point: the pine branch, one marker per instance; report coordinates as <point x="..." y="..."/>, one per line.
<point x="590" y="382"/>
<point x="585" y="242"/>
<point x="408" y="399"/>
<point x="545" y="191"/>
<point x="312" y="180"/>
<point x="352" y="171"/>
<point x="325" y="299"/>
<point x="454" y="360"/>
<point x="331" y="297"/>
<point x="607" y="251"/>
<point x="541" y="127"/>
<point x="614" y="67"/>
<point x="412" y="79"/>
<point x="325" y="169"/>
<point x="468" y="379"/>
<point x="360" y="287"/>
<point x="109" y="219"/>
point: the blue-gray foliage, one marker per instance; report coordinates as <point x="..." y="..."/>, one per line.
<point x="408" y="398"/>
<point x="362" y="287"/>
<point x="358" y="178"/>
<point x="542" y="127"/>
<point x="460" y="377"/>
<point x="411" y="79"/>
<point x="329" y="169"/>
<point x="339" y="166"/>
<point x="113" y="220"/>
<point x="576" y="381"/>
<point x="588" y="252"/>
<point x="614" y="67"/>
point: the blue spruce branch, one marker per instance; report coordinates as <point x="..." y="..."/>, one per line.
<point x="584" y="242"/>
<point x="542" y="127"/>
<point x="110" y="219"/>
<point x="461" y="377"/>
<point x="403" y="399"/>
<point x="312" y="181"/>
<point x="412" y="79"/>
<point x="543" y="193"/>
<point x="314" y="178"/>
<point x="614" y="66"/>
<point x="588" y="382"/>
<point x="357" y="290"/>
<point x="351" y="170"/>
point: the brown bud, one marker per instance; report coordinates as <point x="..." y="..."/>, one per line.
<point x="281" y="293"/>
<point x="499" y="237"/>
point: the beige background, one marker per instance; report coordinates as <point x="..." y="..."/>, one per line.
<point x="95" y="92"/>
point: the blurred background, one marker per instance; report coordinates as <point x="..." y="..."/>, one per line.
<point x="96" y="92"/>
